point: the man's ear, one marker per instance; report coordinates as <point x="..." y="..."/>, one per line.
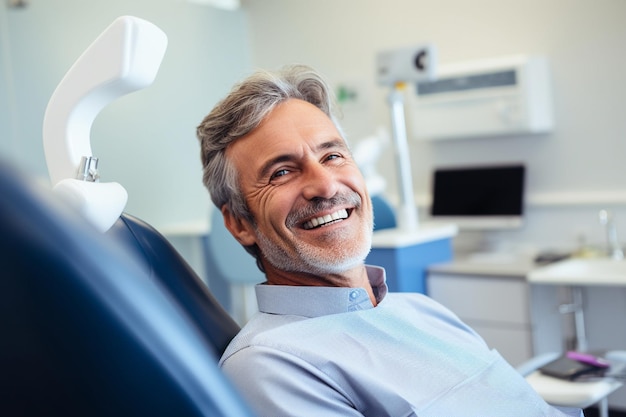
<point x="241" y="229"/>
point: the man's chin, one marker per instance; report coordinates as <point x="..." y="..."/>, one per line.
<point x="332" y="259"/>
<point x="338" y="266"/>
<point x="321" y="266"/>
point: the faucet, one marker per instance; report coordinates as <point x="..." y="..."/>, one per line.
<point x="614" y="249"/>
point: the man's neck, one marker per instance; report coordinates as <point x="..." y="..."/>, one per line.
<point x="353" y="278"/>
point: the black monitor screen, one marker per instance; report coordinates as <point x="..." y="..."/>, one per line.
<point x="478" y="191"/>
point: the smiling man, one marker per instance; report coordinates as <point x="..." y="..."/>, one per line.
<point x="328" y="339"/>
<point x="312" y="214"/>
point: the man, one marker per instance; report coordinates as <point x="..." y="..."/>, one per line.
<point x="329" y="340"/>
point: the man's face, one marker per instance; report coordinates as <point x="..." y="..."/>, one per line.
<point x="308" y="198"/>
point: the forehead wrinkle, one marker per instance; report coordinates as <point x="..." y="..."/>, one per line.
<point x="333" y="144"/>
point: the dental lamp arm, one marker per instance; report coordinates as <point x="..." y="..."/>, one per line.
<point x="123" y="59"/>
<point x="396" y="68"/>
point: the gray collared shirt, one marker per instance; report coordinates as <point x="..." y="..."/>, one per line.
<point x="320" y="301"/>
<point x="326" y="351"/>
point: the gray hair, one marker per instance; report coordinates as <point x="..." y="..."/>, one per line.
<point x="248" y="103"/>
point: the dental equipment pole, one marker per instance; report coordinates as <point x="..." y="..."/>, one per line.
<point x="576" y="308"/>
<point x="396" y="68"/>
<point x="407" y="210"/>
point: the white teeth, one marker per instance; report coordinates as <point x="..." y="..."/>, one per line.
<point x="322" y="220"/>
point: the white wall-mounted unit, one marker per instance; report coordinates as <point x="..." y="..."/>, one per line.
<point x="493" y="97"/>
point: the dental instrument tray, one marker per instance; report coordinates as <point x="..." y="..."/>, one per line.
<point x="575" y="365"/>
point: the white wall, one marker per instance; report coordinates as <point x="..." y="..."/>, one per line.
<point x="146" y="140"/>
<point x="572" y="172"/>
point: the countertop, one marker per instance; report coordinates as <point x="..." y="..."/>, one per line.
<point x="496" y="265"/>
<point x="395" y="238"/>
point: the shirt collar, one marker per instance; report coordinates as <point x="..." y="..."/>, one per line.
<point x="320" y="301"/>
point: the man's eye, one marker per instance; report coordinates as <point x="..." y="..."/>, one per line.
<point x="333" y="156"/>
<point x="280" y="173"/>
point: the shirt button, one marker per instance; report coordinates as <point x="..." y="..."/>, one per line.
<point x="353" y="295"/>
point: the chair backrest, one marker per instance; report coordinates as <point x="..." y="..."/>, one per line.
<point x="162" y="263"/>
<point x="87" y="328"/>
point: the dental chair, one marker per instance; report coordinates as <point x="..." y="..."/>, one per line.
<point x="100" y="315"/>
<point x="88" y="329"/>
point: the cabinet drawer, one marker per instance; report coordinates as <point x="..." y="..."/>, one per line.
<point x="482" y="298"/>
<point x="513" y="344"/>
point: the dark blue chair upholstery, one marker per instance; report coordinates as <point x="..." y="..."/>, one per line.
<point x="163" y="264"/>
<point x="90" y="328"/>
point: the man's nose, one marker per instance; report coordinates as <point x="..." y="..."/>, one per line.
<point x="319" y="182"/>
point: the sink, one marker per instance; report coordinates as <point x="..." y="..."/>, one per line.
<point x="592" y="271"/>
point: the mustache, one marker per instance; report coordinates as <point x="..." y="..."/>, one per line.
<point x="321" y="204"/>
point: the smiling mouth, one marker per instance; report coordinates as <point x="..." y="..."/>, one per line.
<point x="326" y="220"/>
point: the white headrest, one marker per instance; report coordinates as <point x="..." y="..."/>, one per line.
<point x="124" y="58"/>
